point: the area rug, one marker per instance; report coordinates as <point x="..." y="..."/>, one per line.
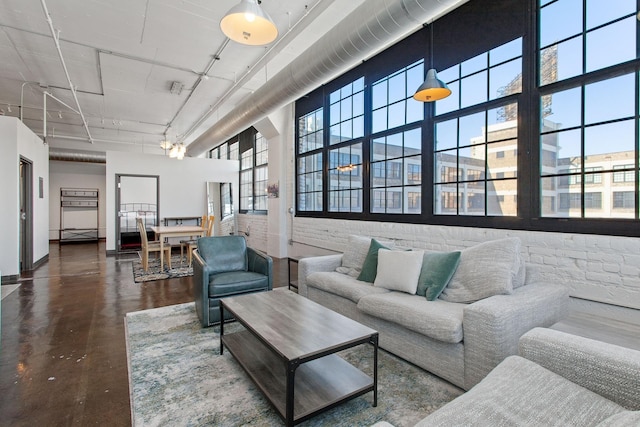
<point x="155" y="273"/>
<point x="178" y="378"/>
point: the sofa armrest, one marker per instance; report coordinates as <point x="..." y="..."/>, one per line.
<point x="493" y="326"/>
<point x="309" y="265"/>
<point x="606" y="369"/>
<point x="262" y="263"/>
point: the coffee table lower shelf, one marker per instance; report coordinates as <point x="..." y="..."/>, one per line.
<point x="319" y="384"/>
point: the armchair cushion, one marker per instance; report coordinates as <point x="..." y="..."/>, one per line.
<point x="236" y="282"/>
<point x="224" y="253"/>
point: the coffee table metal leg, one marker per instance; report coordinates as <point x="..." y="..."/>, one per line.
<point x="221" y="327"/>
<point x="291" y="376"/>
<point x="374" y="341"/>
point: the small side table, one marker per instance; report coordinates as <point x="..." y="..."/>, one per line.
<point x="290" y="261"/>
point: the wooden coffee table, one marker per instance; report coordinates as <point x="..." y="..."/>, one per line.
<point x="288" y="349"/>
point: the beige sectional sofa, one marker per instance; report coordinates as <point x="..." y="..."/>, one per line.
<point x="559" y="380"/>
<point x="458" y="341"/>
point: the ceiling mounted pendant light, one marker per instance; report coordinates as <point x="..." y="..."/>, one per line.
<point x="433" y="89"/>
<point x="247" y="23"/>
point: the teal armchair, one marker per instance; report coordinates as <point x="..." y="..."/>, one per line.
<point x="225" y="266"/>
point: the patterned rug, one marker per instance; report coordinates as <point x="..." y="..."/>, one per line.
<point x="177" y="377"/>
<point x="154" y="272"/>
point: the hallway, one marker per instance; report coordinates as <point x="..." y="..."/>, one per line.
<point x="62" y="356"/>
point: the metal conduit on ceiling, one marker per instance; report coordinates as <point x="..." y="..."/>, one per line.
<point x="341" y="48"/>
<point x="77" y="155"/>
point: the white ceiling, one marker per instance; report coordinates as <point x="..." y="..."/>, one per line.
<point x="123" y="55"/>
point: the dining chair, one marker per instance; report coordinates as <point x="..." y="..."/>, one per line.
<point x="153" y="246"/>
<point x="190" y="245"/>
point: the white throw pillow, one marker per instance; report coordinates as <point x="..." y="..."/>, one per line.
<point x="398" y="270"/>
<point x="487" y="269"/>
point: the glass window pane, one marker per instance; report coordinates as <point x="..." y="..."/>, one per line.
<point x="474" y="64"/>
<point x="412" y="200"/>
<point x="446" y="135"/>
<point x="448" y="75"/>
<point x="379" y="94"/>
<point x="358" y="104"/>
<point x="346" y="130"/>
<point x="412" y="142"/>
<point x="451" y="102"/>
<point x="396" y="114"/>
<point x="415" y="77"/>
<point x="601" y="51"/>
<point x="345" y="109"/>
<point x="334" y="138"/>
<point x="560" y="20"/>
<point x="394" y="146"/>
<point x="610" y="99"/>
<point x="378" y="149"/>
<point x="358" y="85"/>
<point x="358" y="127"/>
<point x="346" y="91"/>
<point x="505" y="79"/>
<point x="610" y="138"/>
<point x="334" y="113"/>
<point x="502" y="198"/>
<point x="507" y="51"/>
<point x="564" y="110"/>
<point x="600" y="12"/>
<point x="473" y="89"/>
<point x="397" y="89"/>
<point x="561" y="61"/>
<point x="567" y="151"/>
<point x="472" y="129"/>
<point x="445" y="200"/>
<point x="379" y="120"/>
<point x="445" y="167"/>
<point x="415" y="110"/>
<point x="472" y="201"/>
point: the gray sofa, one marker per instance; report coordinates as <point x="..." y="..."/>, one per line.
<point x="559" y="379"/>
<point x="460" y="342"/>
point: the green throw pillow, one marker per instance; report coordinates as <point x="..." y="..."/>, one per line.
<point x="437" y="270"/>
<point x="370" y="265"/>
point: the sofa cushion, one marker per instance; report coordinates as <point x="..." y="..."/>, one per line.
<point x="370" y="266"/>
<point x="398" y="270"/>
<point x="354" y="255"/>
<point x="437" y="270"/>
<point x="485" y="270"/>
<point x="520" y="392"/>
<point x="342" y="284"/>
<point x="622" y="419"/>
<point x="439" y="320"/>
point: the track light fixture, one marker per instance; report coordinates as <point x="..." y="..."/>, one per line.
<point x="248" y="24"/>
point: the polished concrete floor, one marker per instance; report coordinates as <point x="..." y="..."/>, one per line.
<point x="62" y="354"/>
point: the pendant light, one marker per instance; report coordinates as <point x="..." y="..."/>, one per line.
<point x="247" y="23"/>
<point x="433" y="89"/>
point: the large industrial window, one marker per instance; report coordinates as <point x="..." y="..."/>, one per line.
<point x="310" y="141"/>
<point x="253" y="174"/>
<point x="476" y="154"/>
<point x="541" y="131"/>
<point x="589" y="118"/>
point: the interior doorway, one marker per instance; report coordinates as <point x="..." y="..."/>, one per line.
<point x="137" y="196"/>
<point x="26" y="214"/>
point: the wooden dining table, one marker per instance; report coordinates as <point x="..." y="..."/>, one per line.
<point x="162" y="232"/>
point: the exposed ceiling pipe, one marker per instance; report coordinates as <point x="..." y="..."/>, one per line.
<point x="61" y="154"/>
<point x="379" y="22"/>
<point x="64" y="66"/>
<point x="293" y="31"/>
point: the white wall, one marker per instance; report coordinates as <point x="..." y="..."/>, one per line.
<point x="17" y="140"/>
<point x="182" y="183"/>
<point x="75" y="175"/>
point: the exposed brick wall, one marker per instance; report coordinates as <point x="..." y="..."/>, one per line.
<point x="594" y="267"/>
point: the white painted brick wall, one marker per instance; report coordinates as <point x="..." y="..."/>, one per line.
<point x="257" y="224"/>
<point x="598" y="268"/>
